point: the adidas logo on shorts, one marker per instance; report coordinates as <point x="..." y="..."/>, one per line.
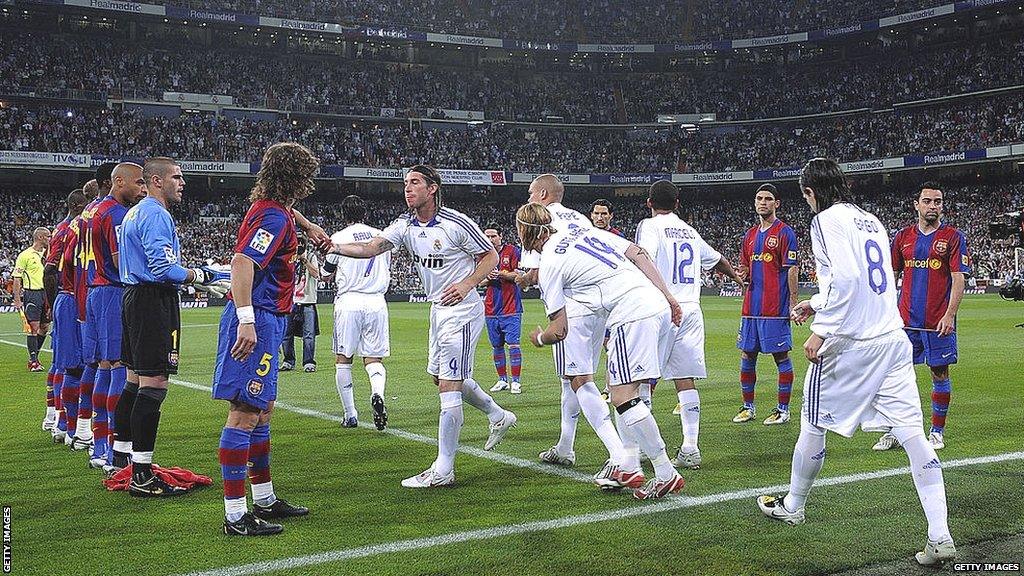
<point x="933" y="464"/>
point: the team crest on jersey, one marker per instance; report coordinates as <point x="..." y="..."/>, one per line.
<point x="941" y="246"/>
<point x="772" y="241"/>
<point x="261" y="241"/>
<point x="437" y="244"/>
<point x="504" y="261"/>
<point x="172" y="358"/>
<point x="255" y="387"/>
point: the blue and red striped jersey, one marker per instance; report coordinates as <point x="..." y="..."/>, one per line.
<point x="503" y="297"/>
<point x="55" y="251"/>
<point x="927" y="262"/>
<point x="766" y="254"/>
<point x="66" y="264"/>
<point x="84" y="264"/>
<point x="267" y="236"/>
<point x="101" y="240"/>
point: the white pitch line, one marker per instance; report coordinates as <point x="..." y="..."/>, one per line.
<point x="479" y="453"/>
<point x="671" y="503"/>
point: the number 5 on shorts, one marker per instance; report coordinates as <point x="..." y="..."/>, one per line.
<point x="264" y="368"/>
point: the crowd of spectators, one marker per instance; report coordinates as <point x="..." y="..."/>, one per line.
<point x="583" y="20"/>
<point x="45" y="63"/>
<point x="208" y="227"/>
<point x="961" y="125"/>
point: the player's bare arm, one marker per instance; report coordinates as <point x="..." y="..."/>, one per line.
<point x="557" y="330"/>
<point x="956" y="294"/>
<point x="485" y="263"/>
<point x="527" y="278"/>
<point x="314" y="232"/>
<point x="639" y="257"/>
<point x="793" y="272"/>
<point x="242" y="272"/>
<point x="367" y="249"/>
<point x="725" y="267"/>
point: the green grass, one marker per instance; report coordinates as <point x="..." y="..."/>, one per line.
<point x="349" y="478"/>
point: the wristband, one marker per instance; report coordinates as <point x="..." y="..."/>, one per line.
<point x="539" y="340"/>
<point x="245" y="314"/>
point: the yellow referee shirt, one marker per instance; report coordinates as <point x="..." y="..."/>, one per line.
<point x="29" y="266"/>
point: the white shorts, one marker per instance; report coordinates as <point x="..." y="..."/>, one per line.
<point x="866" y="383"/>
<point x="361" y="326"/>
<point x="686" y="352"/>
<point x="454" y="332"/>
<point x="580" y="352"/>
<point x="636" y="349"/>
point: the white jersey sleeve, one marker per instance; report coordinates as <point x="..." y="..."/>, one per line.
<point x="396" y="231"/>
<point x="361" y="275"/>
<point x="856" y="287"/>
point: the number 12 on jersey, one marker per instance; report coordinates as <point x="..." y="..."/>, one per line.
<point x="682" y="256"/>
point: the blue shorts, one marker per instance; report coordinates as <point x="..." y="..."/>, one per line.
<point x="67" y="335"/>
<point x="932" y="349"/>
<point x="101" y="339"/>
<point x="764" y="336"/>
<point x="503" y="330"/>
<point x="253" y="382"/>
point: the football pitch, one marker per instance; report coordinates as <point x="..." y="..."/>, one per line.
<point x="507" y="513"/>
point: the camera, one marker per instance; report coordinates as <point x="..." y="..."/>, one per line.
<point x="1014" y="290"/>
<point x="1008" y="225"/>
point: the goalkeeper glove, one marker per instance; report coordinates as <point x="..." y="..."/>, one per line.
<point x="207" y="275"/>
<point x="217" y="289"/>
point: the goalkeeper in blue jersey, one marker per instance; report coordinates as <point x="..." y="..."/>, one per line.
<point x="149" y="255"/>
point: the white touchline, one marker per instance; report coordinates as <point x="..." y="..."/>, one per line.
<point x="479" y="453"/>
<point x="670" y="503"/>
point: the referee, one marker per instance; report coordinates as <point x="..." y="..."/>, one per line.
<point x="149" y="255"/>
<point x="29" y="294"/>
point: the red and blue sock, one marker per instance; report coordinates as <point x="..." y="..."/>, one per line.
<point x="785" y="383"/>
<point x="259" y="454"/>
<point x="85" y="389"/>
<point x="118" y="377"/>
<point x="499" y="362"/>
<point x="748" y="378"/>
<point x="50" y="402"/>
<point x="69" y="397"/>
<point x="941" y="390"/>
<point x="100" y="423"/>
<point x="515" y="357"/>
<point x="234" y="456"/>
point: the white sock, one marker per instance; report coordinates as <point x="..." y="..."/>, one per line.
<point x="570" y="407"/>
<point x="263" y="494"/>
<point x="122" y="446"/>
<point x="595" y="409"/>
<point x="449" y="424"/>
<point x="482" y="401"/>
<point x="808" y="457"/>
<point x="689" y="402"/>
<point x="83" y="430"/>
<point x="630" y="447"/>
<point x="378" y="377"/>
<point x="927" y="472"/>
<point x="234" y="508"/>
<point x="645" y="393"/>
<point x="641" y="422"/>
<point x="142" y="457"/>
<point x="343" y="381"/>
<point x="51" y="413"/>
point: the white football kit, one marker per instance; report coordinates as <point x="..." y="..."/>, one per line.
<point x="589" y="266"/>
<point x="865" y="375"/>
<point x="445" y="252"/>
<point x="360" y="311"/>
<point x="580" y="352"/>
<point x="680" y="254"/>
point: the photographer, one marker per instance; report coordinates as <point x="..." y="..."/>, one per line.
<point x="304" y="321"/>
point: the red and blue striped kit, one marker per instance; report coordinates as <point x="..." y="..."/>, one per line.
<point x="927" y="262"/>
